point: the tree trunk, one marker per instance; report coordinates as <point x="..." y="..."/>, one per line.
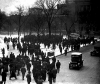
<point x="24" y="32"/>
<point x="49" y="26"/>
<point x="18" y="36"/>
<point x="55" y="31"/>
<point x="68" y="32"/>
<point x="30" y="32"/>
<point x="19" y="28"/>
<point x="60" y="28"/>
<point x="8" y="32"/>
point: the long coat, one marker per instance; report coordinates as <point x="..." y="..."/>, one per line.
<point x="23" y="70"/>
<point x="4" y="75"/>
<point x="54" y="71"/>
<point x="50" y="76"/>
<point x="58" y="64"/>
<point x="28" y="76"/>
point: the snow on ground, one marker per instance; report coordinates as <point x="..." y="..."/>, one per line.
<point x="45" y="50"/>
<point x="66" y="76"/>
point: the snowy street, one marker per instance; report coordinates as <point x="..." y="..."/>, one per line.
<point x="88" y="74"/>
<point x="49" y="42"/>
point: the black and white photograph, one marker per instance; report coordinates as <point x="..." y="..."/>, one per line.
<point x="49" y="42"/>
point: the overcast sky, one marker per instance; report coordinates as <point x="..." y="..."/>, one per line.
<point x="10" y="5"/>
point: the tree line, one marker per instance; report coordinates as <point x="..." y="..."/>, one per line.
<point x="43" y="17"/>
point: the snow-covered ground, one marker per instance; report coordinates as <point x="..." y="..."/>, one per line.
<point x="45" y="50"/>
<point x="89" y="74"/>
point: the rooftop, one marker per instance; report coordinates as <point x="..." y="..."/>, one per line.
<point x="76" y="53"/>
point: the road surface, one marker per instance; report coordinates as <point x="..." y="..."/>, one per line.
<point x="88" y="74"/>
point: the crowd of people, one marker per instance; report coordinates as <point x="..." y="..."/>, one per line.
<point x="39" y="65"/>
<point x="22" y="64"/>
<point x="36" y="62"/>
<point x="32" y="43"/>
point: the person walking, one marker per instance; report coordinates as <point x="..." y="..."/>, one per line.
<point x="13" y="46"/>
<point x="3" y="52"/>
<point x="7" y="46"/>
<point x="28" y="76"/>
<point x="65" y="51"/>
<point x="13" y="73"/>
<point x="54" y="72"/>
<point x="28" y="65"/>
<point x="50" y="76"/>
<point x="23" y="71"/>
<point x="54" y="59"/>
<point x="61" y="50"/>
<point x="58" y="64"/>
<point x="4" y="75"/>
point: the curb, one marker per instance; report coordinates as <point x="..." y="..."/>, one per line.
<point x="70" y="51"/>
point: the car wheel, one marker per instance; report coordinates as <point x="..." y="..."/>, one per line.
<point x="69" y="67"/>
<point x="82" y="64"/>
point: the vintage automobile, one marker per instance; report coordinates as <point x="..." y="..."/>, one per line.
<point x="96" y="51"/>
<point x="76" y="60"/>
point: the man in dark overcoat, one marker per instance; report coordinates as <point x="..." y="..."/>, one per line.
<point x="65" y="51"/>
<point x="28" y="76"/>
<point x="58" y="64"/>
<point x="61" y="50"/>
<point x="54" y="72"/>
<point x="23" y="71"/>
<point x="4" y="75"/>
<point x="28" y="66"/>
<point x="50" y="76"/>
<point x="13" y="73"/>
<point x="54" y="59"/>
<point x="3" y="52"/>
<point x="7" y="46"/>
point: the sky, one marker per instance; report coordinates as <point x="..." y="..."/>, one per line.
<point x="10" y="5"/>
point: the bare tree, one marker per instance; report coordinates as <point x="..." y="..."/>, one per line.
<point x="2" y="19"/>
<point x="20" y="13"/>
<point x="55" y="26"/>
<point x="69" y="23"/>
<point x="8" y="25"/>
<point x="20" y="19"/>
<point x="29" y="25"/>
<point x="61" y="22"/>
<point x="38" y="18"/>
<point x="49" y="8"/>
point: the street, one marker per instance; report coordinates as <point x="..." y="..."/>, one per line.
<point x="88" y="74"/>
<point x="43" y="41"/>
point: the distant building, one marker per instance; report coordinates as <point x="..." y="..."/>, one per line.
<point x="72" y="8"/>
